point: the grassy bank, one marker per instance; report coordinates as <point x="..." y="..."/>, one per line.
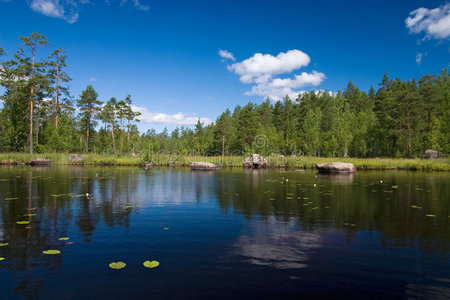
<point x="304" y="162"/>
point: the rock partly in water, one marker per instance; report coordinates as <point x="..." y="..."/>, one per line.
<point x="75" y="159"/>
<point x="430" y="154"/>
<point x="203" y="165"/>
<point x="256" y="161"/>
<point x="171" y="164"/>
<point x="41" y="162"/>
<point x="149" y="165"/>
<point x="336" y="167"/>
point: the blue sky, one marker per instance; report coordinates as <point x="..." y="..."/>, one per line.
<point x="166" y="53"/>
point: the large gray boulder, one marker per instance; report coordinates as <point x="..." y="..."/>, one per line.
<point x="41" y="162"/>
<point x="430" y="154"/>
<point x="336" y="167"/>
<point x="76" y="159"/>
<point x="256" y="161"/>
<point x="203" y="165"/>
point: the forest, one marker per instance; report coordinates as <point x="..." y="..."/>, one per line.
<point x="396" y="118"/>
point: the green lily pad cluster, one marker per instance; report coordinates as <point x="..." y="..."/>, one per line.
<point x="120" y="264"/>
<point x="51" y="252"/>
<point x="117" y="265"/>
<point x="4" y="244"/>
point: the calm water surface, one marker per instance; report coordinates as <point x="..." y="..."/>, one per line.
<point x="226" y="234"/>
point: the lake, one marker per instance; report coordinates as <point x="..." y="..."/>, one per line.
<point x="233" y="233"/>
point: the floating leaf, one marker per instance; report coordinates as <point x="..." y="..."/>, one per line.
<point x="29" y="215"/>
<point x="166" y="228"/>
<point x="415" y="206"/>
<point x="289" y="198"/>
<point x="63" y="239"/>
<point x="151" y="264"/>
<point x="395" y="186"/>
<point x="315" y="207"/>
<point x="11" y="198"/>
<point x="4" y="244"/>
<point x="2" y="258"/>
<point x="51" y="252"/>
<point x="69" y="243"/>
<point x="117" y="265"/>
<point x="431" y="216"/>
<point x="23" y="222"/>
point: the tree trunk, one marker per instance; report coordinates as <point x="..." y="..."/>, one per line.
<point x="57" y="91"/>
<point x="87" y="139"/>
<point x="128" y="133"/>
<point x="223" y="146"/>
<point x="113" y="139"/>
<point x="31" y="99"/>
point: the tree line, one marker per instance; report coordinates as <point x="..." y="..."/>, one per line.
<point x="399" y="119"/>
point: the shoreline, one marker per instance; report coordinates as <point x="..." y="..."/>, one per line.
<point x="276" y="161"/>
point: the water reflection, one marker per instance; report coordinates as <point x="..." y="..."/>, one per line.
<point x="271" y="219"/>
<point x="277" y="245"/>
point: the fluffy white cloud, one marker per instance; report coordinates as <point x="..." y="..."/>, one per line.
<point x="93" y="79"/>
<point x="277" y="88"/>
<point x="55" y="9"/>
<point x="260" y="67"/>
<point x="68" y="10"/>
<point x="137" y="4"/>
<point x="168" y="119"/>
<point x="419" y="57"/>
<point x="260" y="70"/>
<point x="226" y="55"/>
<point x="435" y="23"/>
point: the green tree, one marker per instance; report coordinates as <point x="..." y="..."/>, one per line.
<point x="89" y="107"/>
<point x="58" y="77"/>
<point x="36" y="74"/>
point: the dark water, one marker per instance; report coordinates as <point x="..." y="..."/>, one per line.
<point x="226" y="234"/>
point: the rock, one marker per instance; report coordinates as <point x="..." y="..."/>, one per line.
<point x="256" y="161"/>
<point x="41" y="162"/>
<point x="171" y="164"/>
<point x="336" y="167"/>
<point x="203" y="165"/>
<point x="149" y="165"/>
<point x="76" y="159"/>
<point x="430" y="154"/>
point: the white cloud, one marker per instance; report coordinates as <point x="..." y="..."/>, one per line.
<point x="260" y="67"/>
<point x="260" y="70"/>
<point x="93" y="79"/>
<point x="68" y="10"/>
<point x="55" y="9"/>
<point x="226" y="55"/>
<point x="419" y="57"/>
<point x="277" y="88"/>
<point x="137" y="4"/>
<point x="435" y="23"/>
<point x="168" y="119"/>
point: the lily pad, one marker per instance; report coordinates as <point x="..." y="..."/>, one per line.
<point x="63" y="239"/>
<point x="395" y="186"/>
<point x="11" y="198"/>
<point x="29" y="215"/>
<point x="4" y="244"/>
<point x="2" y="258"/>
<point x="151" y="264"/>
<point x="23" y="222"/>
<point x="117" y="265"/>
<point x="51" y="252"/>
<point x="431" y="216"/>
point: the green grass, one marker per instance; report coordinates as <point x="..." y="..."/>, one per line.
<point x="442" y="164"/>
